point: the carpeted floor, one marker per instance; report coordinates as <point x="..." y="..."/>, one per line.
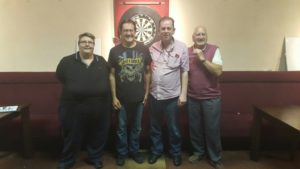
<point x="130" y="164"/>
<point x="231" y="159"/>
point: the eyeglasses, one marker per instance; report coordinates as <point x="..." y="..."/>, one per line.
<point x="128" y="30"/>
<point x="87" y="42"/>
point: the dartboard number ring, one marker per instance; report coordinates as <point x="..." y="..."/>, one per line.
<point x="145" y="28"/>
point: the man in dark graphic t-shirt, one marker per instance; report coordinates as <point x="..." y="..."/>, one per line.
<point x="129" y="80"/>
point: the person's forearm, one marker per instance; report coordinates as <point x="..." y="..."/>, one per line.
<point x="214" y="69"/>
<point x="147" y="81"/>
<point x="112" y="81"/>
<point x="184" y="83"/>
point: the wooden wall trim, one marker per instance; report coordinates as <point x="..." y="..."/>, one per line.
<point x="259" y="76"/>
<point x="27" y="78"/>
<point x="227" y="77"/>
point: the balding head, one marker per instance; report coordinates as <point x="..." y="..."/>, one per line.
<point x="199" y="28"/>
<point x="200" y="37"/>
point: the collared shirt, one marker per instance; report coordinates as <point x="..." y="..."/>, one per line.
<point x="217" y="59"/>
<point x="81" y="82"/>
<point x="167" y="65"/>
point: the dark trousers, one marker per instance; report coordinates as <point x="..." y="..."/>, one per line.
<point x="204" y="124"/>
<point x="159" y="109"/>
<point x="86" y="121"/>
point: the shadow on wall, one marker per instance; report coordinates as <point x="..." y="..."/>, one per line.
<point x="282" y="66"/>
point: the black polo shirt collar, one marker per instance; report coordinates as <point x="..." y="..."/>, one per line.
<point x="77" y="57"/>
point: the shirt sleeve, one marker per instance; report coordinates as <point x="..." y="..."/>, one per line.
<point x="60" y="71"/>
<point x="148" y="58"/>
<point x="110" y="60"/>
<point x="217" y="59"/>
<point x="185" y="60"/>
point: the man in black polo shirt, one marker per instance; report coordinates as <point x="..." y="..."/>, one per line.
<point x="85" y="103"/>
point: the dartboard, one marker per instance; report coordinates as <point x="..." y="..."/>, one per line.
<point x="146" y="28"/>
<point x="146" y="22"/>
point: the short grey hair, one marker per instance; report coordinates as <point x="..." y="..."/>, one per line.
<point x="86" y="34"/>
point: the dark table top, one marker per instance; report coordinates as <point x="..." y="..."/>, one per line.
<point x="290" y="115"/>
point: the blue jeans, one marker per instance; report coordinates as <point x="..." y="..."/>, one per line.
<point x="159" y="109"/>
<point x="134" y="112"/>
<point x="204" y="124"/>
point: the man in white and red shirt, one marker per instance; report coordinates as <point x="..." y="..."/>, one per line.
<point x="168" y="90"/>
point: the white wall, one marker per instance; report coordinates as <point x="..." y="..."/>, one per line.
<point x="250" y="33"/>
<point x="36" y="34"/>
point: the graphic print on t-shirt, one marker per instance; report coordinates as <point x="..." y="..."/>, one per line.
<point x="131" y="67"/>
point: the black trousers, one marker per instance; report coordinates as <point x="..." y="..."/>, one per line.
<point x="84" y="121"/>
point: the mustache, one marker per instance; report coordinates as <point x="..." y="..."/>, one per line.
<point x="129" y="36"/>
